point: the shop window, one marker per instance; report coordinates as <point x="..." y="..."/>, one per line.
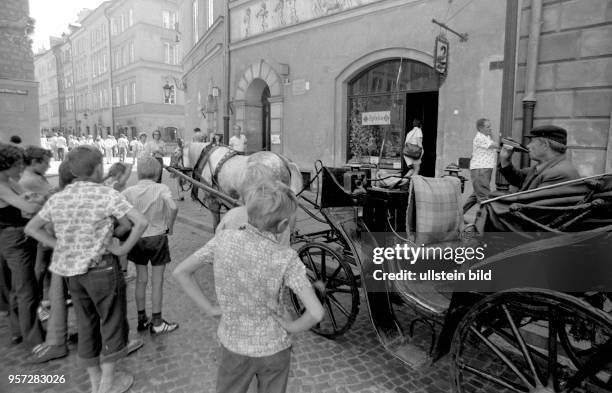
<point x="384" y="88"/>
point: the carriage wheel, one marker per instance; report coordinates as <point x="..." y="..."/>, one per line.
<point x="534" y="341"/>
<point x="335" y="286"/>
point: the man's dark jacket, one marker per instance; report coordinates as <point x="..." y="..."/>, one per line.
<point x="554" y="171"/>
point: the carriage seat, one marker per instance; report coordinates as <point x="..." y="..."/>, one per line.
<point x="434" y="219"/>
<point x="569" y="206"/>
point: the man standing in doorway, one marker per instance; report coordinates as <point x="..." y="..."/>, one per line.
<point x="484" y="159"/>
<point x="238" y="142"/>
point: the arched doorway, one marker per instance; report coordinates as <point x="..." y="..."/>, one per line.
<point x="258" y="107"/>
<point x="257" y="116"/>
<point x="383" y="100"/>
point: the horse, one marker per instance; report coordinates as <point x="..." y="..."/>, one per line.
<point x="222" y="168"/>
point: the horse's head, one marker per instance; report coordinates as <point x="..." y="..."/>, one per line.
<point x="284" y="169"/>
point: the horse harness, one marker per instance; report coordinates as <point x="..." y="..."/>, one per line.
<point x="205" y="159"/>
<point x="199" y="167"/>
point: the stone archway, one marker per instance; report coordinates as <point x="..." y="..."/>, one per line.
<point x="258" y="105"/>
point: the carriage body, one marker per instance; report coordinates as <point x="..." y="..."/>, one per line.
<point x="549" y="249"/>
<point x="553" y="336"/>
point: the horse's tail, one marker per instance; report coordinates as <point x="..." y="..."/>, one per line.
<point x="296" y="183"/>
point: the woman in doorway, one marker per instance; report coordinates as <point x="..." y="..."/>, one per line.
<point x="414" y="138"/>
<point x="18" y="250"/>
<point x="156" y="148"/>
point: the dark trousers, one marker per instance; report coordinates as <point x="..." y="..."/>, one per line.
<point x="5" y="284"/>
<point x="161" y="162"/>
<point x="100" y="304"/>
<point x="19" y="253"/>
<point x="481" y="180"/>
<point x="60" y="154"/>
<point x="41" y="269"/>
<point x="236" y="372"/>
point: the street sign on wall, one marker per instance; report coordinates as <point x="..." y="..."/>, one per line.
<point x="376" y="118"/>
<point x="441" y="55"/>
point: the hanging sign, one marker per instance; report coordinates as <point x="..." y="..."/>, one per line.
<point x="375" y="118"/>
<point x="441" y="55"/>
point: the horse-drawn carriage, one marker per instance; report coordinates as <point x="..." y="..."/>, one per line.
<point x="526" y="311"/>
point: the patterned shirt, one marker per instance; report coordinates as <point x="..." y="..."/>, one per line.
<point x="151" y="199"/>
<point x="251" y="268"/>
<point x="81" y="217"/>
<point x="483" y="155"/>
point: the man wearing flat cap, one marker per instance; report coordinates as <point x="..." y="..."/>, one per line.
<point x="547" y="148"/>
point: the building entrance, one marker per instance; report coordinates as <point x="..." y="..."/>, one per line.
<point x="423" y="106"/>
<point x="257" y="116"/>
<point x="383" y="101"/>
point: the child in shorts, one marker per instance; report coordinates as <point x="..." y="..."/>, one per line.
<point x="85" y="252"/>
<point x="154" y="200"/>
<point x="251" y="269"/>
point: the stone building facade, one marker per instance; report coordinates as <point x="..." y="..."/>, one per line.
<point x="303" y="74"/>
<point x="46" y="73"/>
<point x="574" y="77"/>
<point x="113" y="67"/>
<point x="18" y="89"/>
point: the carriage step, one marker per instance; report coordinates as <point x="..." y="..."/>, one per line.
<point x="413" y="356"/>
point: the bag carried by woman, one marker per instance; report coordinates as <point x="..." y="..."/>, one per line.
<point x="412" y="151"/>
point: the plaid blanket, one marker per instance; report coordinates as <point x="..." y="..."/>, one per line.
<point x="434" y="209"/>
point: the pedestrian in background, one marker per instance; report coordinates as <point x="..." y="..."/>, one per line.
<point x="238" y="142"/>
<point x="155" y="202"/>
<point x="177" y="161"/>
<point x="250" y="271"/>
<point x="484" y="159"/>
<point x="61" y="145"/>
<point x="414" y="138"/>
<point x="156" y="148"/>
<point x="122" y="146"/>
<point x="52" y="142"/>
<point x="109" y="146"/>
<point x="94" y="275"/>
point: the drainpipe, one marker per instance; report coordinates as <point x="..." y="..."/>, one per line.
<point x="508" y="79"/>
<point x="226" y="72"/>
<point x="110" y="71"/>
<point x="529" y="101"/>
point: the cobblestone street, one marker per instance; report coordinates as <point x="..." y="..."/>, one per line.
<point x="186" y="360"/>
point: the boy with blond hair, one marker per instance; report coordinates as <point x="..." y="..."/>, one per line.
<point x="154" y="200"/>
<point x="251" y="269"/>
<point x="85" y="252"/>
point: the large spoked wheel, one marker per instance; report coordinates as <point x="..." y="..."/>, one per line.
<point x="335" y="286"/>
<point x="533" y="341"/>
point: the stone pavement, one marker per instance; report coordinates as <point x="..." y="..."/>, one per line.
<point x="186" y="360"/>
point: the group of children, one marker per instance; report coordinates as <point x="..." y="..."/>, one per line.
<point x="90" y="226"/>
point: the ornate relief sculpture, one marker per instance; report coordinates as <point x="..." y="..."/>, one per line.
<point x="263" y="15"/>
